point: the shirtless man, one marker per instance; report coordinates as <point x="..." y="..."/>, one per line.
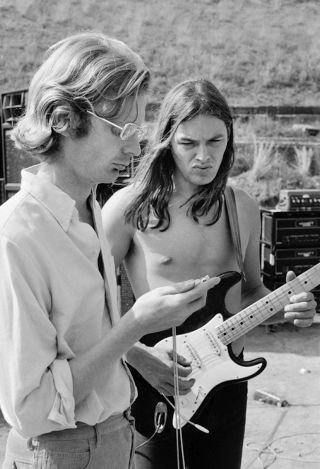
<point x="170" y="225"/>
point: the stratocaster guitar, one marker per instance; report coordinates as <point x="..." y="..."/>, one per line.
<point x="209" y="348"/>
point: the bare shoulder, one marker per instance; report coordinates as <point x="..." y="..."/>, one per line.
<point x="119" y="233"/>
<point x="247" y="206"/>
<point x="120" y="199"/>
<point x="113" y="211"/>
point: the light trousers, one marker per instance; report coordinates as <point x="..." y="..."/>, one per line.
<point x="107" y="445"/>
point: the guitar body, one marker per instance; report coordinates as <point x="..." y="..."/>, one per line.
<point x="214" y="364"/>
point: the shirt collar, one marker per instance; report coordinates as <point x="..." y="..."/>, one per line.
<point x="57" y="202"/>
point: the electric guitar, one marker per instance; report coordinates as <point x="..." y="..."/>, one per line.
<point x="209" y="347"/>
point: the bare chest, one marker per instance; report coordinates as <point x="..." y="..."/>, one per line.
<point x="187" y="249"/>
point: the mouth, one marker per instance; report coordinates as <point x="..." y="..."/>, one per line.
<point x="121" y="166"/>
<point x="202" y="167"/>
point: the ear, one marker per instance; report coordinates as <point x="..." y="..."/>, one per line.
<point x="65" y="122"/>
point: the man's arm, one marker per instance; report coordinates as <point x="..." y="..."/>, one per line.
<point x="119" y="233"/>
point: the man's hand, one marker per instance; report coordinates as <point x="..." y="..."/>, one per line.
<point x="302" y="307"/>
<point x="169" y="306"/>
<point x="156" y="367"/>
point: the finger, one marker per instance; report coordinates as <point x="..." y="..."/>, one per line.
<point x="200" y="290"/>
<point x="306" y="316"/>
<point x="181" y="287"/>
<point x="193" y="287"/>
<point x="302" y="306"/>
<point x="183" y="371"/>
<point x="303" y="322"/>
<point x="290" y="276"/>
<point x="165" y="388"/>
<point x="181" y="360"/>
<point x="184" y="386"/>
<point x="303" y="296"/>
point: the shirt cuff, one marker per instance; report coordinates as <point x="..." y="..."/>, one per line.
<point x="63" y="409"/>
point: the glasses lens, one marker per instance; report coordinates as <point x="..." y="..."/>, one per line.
<point x="131" y="129"/>
<point x="128" y="131"/>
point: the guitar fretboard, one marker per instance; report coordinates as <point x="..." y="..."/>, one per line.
<point x="258" y="312"/>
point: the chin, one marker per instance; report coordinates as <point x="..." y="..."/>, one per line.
<point x="203" y="181"/>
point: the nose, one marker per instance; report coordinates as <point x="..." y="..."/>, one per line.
<point x="132" y="147"/>
<point x="202" y="153"/>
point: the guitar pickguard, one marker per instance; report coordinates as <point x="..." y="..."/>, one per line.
<point x="212" y="367"/>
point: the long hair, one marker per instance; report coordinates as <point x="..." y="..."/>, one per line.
<point x="154" y="176"/>
<point x="80" y="73"/>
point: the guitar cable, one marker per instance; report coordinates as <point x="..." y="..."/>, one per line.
<point x="179" y="436"/>
<point x="160" y="420"/>
<point x="196" y="425"/>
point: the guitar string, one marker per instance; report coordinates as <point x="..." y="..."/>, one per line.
<point x="276" y="304"/>
<point x="259" y="316"/>
<point x="253" y="313"/>
<point x="275" y="300"/>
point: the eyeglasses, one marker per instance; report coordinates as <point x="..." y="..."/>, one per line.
<point x="128" y="130"/>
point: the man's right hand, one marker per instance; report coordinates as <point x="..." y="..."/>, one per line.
<point x="169" y="306"/>
<point x="156" y="367"/>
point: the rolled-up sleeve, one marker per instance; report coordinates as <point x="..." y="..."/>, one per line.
<point x="36" y="392"/>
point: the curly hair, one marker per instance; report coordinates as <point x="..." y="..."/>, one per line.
<point x="154" y="176"/>
<point x="80" y="72"/>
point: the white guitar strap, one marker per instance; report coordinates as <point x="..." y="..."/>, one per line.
<point x="234" y="226"/>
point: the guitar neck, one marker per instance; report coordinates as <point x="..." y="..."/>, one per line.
<point x="263" y="309"/>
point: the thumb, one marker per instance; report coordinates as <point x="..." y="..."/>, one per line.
<point x="182" y="287"/>
<point x="290" y="275"/>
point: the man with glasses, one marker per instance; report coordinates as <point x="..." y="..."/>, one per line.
<point x="65" y="388"/>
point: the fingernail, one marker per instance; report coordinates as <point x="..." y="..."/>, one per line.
<point x="204" y="279"/>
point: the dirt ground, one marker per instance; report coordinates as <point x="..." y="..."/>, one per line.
<point x="284" y="437"/>
<point x="278" y="437"/>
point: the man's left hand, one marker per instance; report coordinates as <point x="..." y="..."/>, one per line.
<point x="302" y="306"/>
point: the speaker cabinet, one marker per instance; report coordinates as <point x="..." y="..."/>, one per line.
<point x="13" y="160"/>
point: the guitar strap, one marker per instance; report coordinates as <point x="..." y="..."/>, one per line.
<point x="234" y="226"/>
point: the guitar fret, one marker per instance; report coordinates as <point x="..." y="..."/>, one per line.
<point x="255" y="314"/>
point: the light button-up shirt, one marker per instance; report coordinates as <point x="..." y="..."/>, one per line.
<point x="53" y="309"/>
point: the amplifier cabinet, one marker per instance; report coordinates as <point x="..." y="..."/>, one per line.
<point x="286" y="229"/>
<point x="299" y="199"/>
<point x="279" y="261"/>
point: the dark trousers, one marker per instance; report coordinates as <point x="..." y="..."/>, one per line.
<point x="220" y="449"/>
